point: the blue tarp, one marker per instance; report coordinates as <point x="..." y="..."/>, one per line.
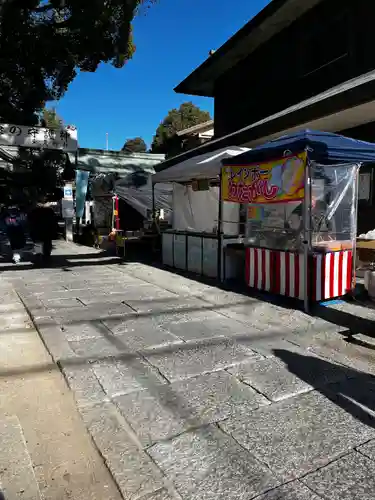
<point x="323" y="147"/>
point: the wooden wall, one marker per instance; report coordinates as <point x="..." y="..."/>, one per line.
<point x="327" y="46"/>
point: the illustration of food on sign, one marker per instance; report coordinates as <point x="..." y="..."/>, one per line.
<point x="277" y="176"/>
<point x="292" y="175"/>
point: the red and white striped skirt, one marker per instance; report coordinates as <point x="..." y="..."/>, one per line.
<point x="283" y="273"/>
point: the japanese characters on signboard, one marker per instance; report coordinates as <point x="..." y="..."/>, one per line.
<point x="278" y="181"/>
<point x="39" y="137"/>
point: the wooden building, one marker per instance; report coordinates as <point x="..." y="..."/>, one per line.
<point x="297" y="64"/>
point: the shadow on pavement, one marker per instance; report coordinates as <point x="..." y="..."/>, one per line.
<point x="124" y="354"/>
<point x="131" y="313"/>
<point x="355" y="395"/>
<point x="354" y="324"/>
<point x="64" y="262"/>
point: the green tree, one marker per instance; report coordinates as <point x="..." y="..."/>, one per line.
<point x="187" y="115"/>
<point x="43" y="43"/>
<point x="35" y="173"/>
<point x="50" y="119"/>
<point x="136" y="145"/>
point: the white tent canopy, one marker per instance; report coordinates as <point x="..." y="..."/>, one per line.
<point x="141" y="198"/>
<point x="206" y="166"/>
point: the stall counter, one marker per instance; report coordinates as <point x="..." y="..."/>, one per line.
<point x="281" y="272"/>
<point x="196" y="252"/>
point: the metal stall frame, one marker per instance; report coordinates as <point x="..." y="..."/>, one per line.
<point x="219" y="232"/>
<point x="355" y="219"/>
<point x="306" y="221"/>
<point x="355" y="224"/>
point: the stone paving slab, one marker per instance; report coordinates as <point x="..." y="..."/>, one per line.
<point x="133" y="470"/>
<point x="368" y="450"/>
<point x="15" y="320"/>
<point x="271" y="378"/>
<point x="167" y="305"/>
<point x="349" y="478"/>
<point x="266" y="342"/>
<point x="298" y="435"/>
<point x="97" y="348"/>
<point x="45" y="288"/>
<point x="259" y="314"/>
<point x="151" y="321"/>
<point x="62" y="303"/>
<point x="357" y="358"/>
<point x="101" y="290"/>
<point x="83" y="382"/>
<point x="141" y="340"/>
<point x="83" y="331"/>
<point x="90" y="313"/>
<point x="294" y="373"/>
<point x="357" y="396"/>
<point x="218" y="327"/>
<point x="129" y="295"/>
<point x="54" y="339"/>
<point x="161" y="495"/>
<point x="291" y="491"/>
<point x="170" y="281"/>
<point x="207" y="464"/>
<point x="126" y="376"/>
<point x="140" y="333"/>
<point x="164" y="411"/>
<point x="215" y="295"/>
<point x="269" y="317"/>
<point x="131" y="334"/>
<point x="198" y="358"/>
<point x="17" y="478"/>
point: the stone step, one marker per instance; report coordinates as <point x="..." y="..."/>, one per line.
<point x="17" y="478"/>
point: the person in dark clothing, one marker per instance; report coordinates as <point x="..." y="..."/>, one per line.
<point x="43" y="228"/>
<point x="15" y="221"/>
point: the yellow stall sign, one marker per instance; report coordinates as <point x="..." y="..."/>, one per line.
<point x="277" y="181"/>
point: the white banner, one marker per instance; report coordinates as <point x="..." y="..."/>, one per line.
<point x="39" y="137"/>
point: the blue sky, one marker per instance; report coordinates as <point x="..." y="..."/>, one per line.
<point x="172" y="39"/>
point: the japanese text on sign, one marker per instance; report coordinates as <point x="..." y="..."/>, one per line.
<point x="39" y="137"/>
<point x="278" y="181"/>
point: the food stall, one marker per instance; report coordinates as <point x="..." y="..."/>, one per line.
<point x="300" y="192"/>
<point x="201" y="225"/>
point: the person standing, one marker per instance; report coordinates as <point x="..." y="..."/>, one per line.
<point x="15" y="229"/>
<point x="43" y="227"/>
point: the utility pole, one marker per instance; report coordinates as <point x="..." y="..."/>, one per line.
<point x="106" y="141"/>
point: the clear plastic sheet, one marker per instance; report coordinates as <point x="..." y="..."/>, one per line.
<point x="333" y="214"/>
<point x="333" y="206"/>
<point x="278" y="226"/>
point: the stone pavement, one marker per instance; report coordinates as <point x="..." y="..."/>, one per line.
<point x="45" y="450"/>
<point x="191" y="392"/>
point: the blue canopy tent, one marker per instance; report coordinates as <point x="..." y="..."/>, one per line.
<point x="322" y="147"/>
<point x="320" y="264"/>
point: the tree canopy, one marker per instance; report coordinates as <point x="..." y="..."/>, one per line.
<point x="35" y="172"/>
<point x="136" y="145"/>
<point x="187" y="115"/>
<point x="50" y="119"/>
<point x="43" y="43"/>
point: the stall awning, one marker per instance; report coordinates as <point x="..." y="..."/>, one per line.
<point x="206" y="166"/>
<point x="141" y="198"/>
<point x="323" y="147"/>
